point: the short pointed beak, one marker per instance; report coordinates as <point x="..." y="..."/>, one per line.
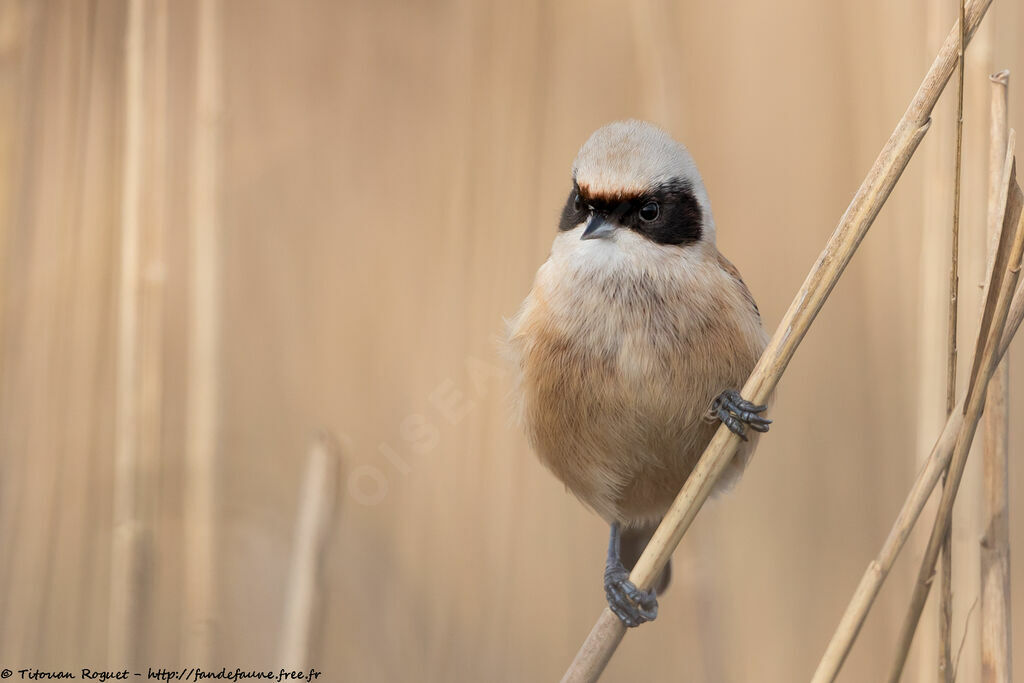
<point x="598" y="227"/>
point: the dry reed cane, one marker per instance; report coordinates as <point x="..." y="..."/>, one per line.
<point x="607" y="633"/>
<point x="204" y="341"/>
<point x="993" y="321"/>
<point x="946" y="594"/>
<point x="150" y="304"/>
<point x="871" y="582"/>
<point x="996" y="658"/>
<point x="126" y="542"/>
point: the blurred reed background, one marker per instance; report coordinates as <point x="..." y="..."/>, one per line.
<point x="228" y="226"/>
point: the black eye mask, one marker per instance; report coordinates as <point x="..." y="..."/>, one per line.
<point x="678" y="220"/>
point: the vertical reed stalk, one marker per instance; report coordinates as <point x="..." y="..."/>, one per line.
<point x="996" y="660"/>
<point x="152" y="277"/>
<point x="946" y="596"/>
<point x="954" y="271"/>
<point x="125" y="562"/>
<point x="204" y="340"/>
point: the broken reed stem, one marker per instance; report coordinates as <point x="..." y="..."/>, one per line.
<point x="994" y="318"/>
<point x="937" y="463"/>
<point x="203" y="344"/>
<point x="954" y="272"/>
<point x="996" y="660"/>
<point x="123" y="624"/>
<point x="608" y="631"/>
<point x="312" y="528"/>
<point x="946" y="595"/>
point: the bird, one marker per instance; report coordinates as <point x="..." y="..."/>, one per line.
<point x="632" y="345"/>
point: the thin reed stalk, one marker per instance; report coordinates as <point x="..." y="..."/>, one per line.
<point x="946" y="595"/>
<point x="204" y="341"/>
<point x="996" y="660"/>
<point x="152" y="299"/>
<point x="1001" y="289"/>
<point x="937" y="463"/>
<point x="608" y="632"/>
<point x="126" y="542"/>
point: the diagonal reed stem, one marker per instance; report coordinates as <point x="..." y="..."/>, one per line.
<point x="938" y="461"/>
<point x="607" y="633"/>
<point x="317" y="501"/>
<point x="1002" y="286"/>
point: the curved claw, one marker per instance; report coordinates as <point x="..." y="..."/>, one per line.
<point x="630" y="604"/>
<point x="731" y="421"/>
<point x="736" y="413"/>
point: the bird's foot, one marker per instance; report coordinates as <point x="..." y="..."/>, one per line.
<point x="630" y="604"/>
<point x="735" y="413"/>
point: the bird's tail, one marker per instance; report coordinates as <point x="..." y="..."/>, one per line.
<point x="632" y="543"/>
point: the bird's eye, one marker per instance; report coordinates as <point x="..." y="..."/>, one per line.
<point x="577" y="203"/>
<point x="650" y="211"/>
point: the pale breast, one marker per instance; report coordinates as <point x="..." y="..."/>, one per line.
<point x="617" y="367"/>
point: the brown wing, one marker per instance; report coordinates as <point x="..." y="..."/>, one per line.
<point x="728" y="267"/>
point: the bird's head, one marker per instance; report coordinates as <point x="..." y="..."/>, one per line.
<point x="631" y="175"/>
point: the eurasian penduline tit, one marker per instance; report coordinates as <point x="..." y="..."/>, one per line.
<point x="633" y="342"/>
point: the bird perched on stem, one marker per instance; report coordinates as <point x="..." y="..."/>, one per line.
<point x="633" y="343"/>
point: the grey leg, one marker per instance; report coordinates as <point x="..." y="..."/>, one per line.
<point x="630" y="604"/>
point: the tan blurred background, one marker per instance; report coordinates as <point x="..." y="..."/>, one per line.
<point x="228" y="227"/>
